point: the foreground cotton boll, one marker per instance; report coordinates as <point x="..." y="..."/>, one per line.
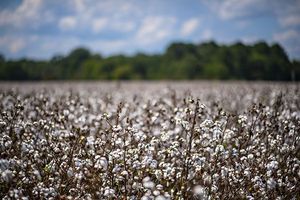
<point x="159" y="187"/>
<point x="160" y="197"/>
<point x="199" y="191"/>
<point x="7" y="175"/>
<point x="101" y="163"/>
<point x="109" y="192"/>
<point x="147" y="183"/>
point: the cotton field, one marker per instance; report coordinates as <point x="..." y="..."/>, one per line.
<point x="150" y="140"/>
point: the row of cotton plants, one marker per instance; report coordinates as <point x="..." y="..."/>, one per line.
<point x="164" y="144"/>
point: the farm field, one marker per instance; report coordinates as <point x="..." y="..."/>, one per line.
<point x="150" y="140"/>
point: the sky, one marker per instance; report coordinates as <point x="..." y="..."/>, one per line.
<point x="41" y="29"/>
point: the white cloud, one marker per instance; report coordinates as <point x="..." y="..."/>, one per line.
<point x="12" y="44"/>
<point x="67" y="23"/>
<point x="99" y="24"/>
<point x="207" y="34"/>
<point x="189" y="26"/>
<point x="230" y="9"/>
<point x="27" y="11"/>
<point x="17" y="45"/>
<point x="287" y="35"/>
<point x="290" y="20"/>
<point x="123" y="26"/>
<point x="290" y="39"/>
<point x="234" y="8"/>
<point x="155" y="28"/>
<point x="288" y="13"/>
<point x="99" y="16"/>
<point x="79" y="5"/>
<point x="103" y="23"/>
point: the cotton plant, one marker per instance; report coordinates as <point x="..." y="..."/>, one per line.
<point x="165" y="144"/>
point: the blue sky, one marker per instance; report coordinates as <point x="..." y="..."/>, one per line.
<point x="43" y="28"/>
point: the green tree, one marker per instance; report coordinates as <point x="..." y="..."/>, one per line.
<point x="208" y="60"/>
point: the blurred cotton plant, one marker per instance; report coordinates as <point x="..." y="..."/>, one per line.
<point x="164" y="144"/>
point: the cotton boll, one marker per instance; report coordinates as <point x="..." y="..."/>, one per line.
<point x="7" y="175"/>
<point x="271" y="183"/>
<point x="199" y="192"/>
<point x="147" y="183"/>
<point x="160" y="197"/>
<point x="153" y="164"/>
<point x="70" y="172"/>
<point x="109" y="192"/>
<point x="101" y="163"/>
<point x="37" y="174"/>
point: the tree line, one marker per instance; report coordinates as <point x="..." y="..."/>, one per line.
<point x="208" y="60"/>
